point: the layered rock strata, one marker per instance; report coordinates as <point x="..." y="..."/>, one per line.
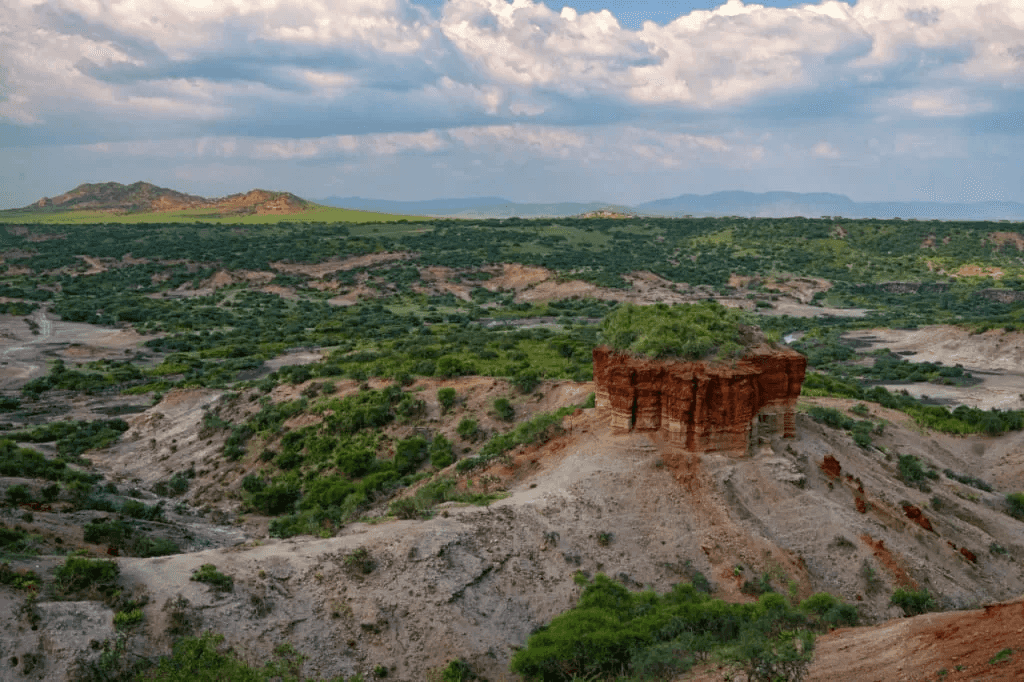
<point x="703" y="406"/>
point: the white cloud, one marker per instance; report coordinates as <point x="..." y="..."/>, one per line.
<point x="383" y="144"/>
<point x="823" y="150"/>
<point x="520" y="52"/>
<point x="948" y="102"/>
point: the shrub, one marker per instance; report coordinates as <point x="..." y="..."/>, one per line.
<point x="468" y="428"/>
<point x="913" y="602"/>
<point x="685" y="331"/>
<point x="113" y="533"/>
<point x="831" y="417"/>
<point x="359" y="562"/>
<point x="406" y="509"/>
<point x="178" y="484"/>
<point x="50" y="493"/>
<point x="613" y="632"/>
<point x="409" y="454"/>
<point x="457" y="671"/>
<point x="912" y="472"/>
<point x="208" y="573"/>
<point x="200" y="659"/>
<point x="830" y="610"/>
<point x="19" y="580"/>
<point x="145" y="546"/>
<point x="253" y="483"/>
<point x="18" y="494"/>
<point x="124" y="620"/>
<point x="441" y="452"/>
<point x="526" y="380"/>
<point x="78" y="574"/>
<point x="446" y="397"/>
<point x="1015" y="501"/>
<point x="504" y="410"/>
<point x="138" y="510"/>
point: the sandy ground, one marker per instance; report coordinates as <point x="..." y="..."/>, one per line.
<point x="996" y="357"/>
<point x="23" y="355"/>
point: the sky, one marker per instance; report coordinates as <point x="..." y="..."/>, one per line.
<point x="581" y="100"/>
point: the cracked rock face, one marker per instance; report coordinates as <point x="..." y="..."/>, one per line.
<point x="703" y="406"/>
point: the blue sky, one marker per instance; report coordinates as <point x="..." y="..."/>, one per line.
<point x="537" y="101"/>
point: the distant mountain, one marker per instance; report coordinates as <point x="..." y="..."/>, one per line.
<point x="143" y="197"/>
<point x="786" y="204"/>
<point x="749" y="204"/>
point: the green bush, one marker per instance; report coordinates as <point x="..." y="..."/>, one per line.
<point x="690" y="331"/>
<point x="219" y="582"/>
<point x="124" y="620"/>
<point x="504" y="410"/>
<point x="79" y="574"/>
<point x="457" y="671"/>
<point x="831" y="417"/>
<point x="831" y="611"/>
<point x="18" y="494"/>
<point x="19" y="580"/>
<point x="467" y="428"/>
<point x="201" y="659"/>
<point x="409" y="454"/>
<point x="1015" y="502"/>
<point x="113" y="533"/>
<point x="912" y="472"/>
<point x="138" y="510"/>
<point x="446" y="397"/>
<point x="615" y="632"/>
<point x="441" y="452"/>
<point x="526" y="380"/>
<point x="145" y="546"/>
<point x="913" y="602"/>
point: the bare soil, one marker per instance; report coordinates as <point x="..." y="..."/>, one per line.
<point x="996" y="357"/>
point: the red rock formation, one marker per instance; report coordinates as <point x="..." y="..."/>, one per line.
<point x="830" y="466"/>
<point x="704" y="406"/>
<point x="969" y="555"/>
<point x="917" y="516"/>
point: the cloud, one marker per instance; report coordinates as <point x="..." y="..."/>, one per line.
<point x="500" y="59"/>
<point x="948" y="102"/>
<point x="319" y="81"/>
<point x="823" y="150"/>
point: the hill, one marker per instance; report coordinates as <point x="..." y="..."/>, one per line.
<point x="144" y="197"/>
<point x="145" y="203"/>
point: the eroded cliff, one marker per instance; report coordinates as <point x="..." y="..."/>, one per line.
<point x="703" y="406"/>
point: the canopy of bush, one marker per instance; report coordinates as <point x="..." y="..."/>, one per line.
<point x="690" y="331"/>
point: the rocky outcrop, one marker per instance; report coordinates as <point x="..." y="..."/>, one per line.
<point x="703" y="406"/>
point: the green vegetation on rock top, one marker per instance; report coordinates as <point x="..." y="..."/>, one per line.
<point x="685" y="331"/>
